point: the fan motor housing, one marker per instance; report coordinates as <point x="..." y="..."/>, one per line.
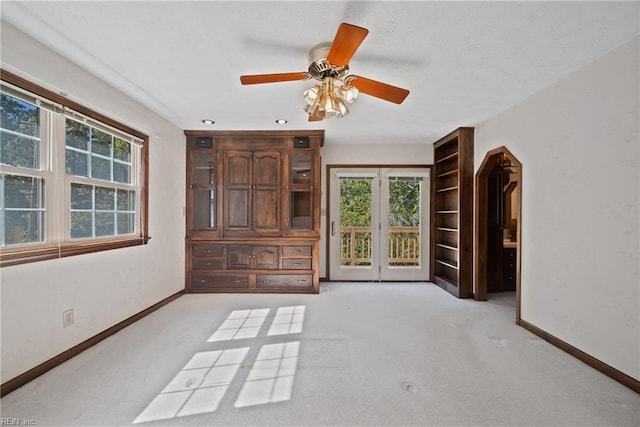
<point x="320" y="68"/>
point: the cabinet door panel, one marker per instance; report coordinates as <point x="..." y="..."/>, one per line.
<point x="266" y="210"/>
<point x="237" y="168"/>
<point x="239" y="257"/>
<point x="266" y="169"/>
<point x="238" y="209"/>
<point x="266" y="187"/>
<point x="265" y="257"/>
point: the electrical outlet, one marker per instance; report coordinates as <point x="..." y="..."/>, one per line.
<point x="67" y="318"/>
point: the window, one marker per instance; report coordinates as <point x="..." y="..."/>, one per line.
<point x="71" y="180"/>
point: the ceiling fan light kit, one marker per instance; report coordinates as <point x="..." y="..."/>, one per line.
<point x="329" y="64"/>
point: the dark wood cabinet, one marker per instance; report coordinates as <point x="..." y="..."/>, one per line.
<point x="253" y="212"/>
<point x="509" y="258"/>
<point x="452" y="232"/>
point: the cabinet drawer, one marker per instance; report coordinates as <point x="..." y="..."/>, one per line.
<point x="207" y="264"/>
<point x="284" y="280"/>
<point x="296" y="264"/>
<point x="207" y="281"/>
<point x="208" y="250"/>
<point x="296" y="251"/>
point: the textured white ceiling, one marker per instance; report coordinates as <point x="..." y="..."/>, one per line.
<point x="463" y="62"/>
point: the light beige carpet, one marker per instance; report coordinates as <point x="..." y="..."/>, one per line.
<point x="356" y="354"/>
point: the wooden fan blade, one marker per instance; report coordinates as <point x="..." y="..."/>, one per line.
<point x="345" y="43"/>
<point x="380" y="90"/>
<point x="315" y="118"/>
<point x="273" y="78"/>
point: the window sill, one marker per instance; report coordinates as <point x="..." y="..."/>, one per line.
<point x="24" y="256"/>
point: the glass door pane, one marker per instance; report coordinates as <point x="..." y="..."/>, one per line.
<point x="204" y="209"/>
<point x="204" y="168"/>
<point x="301" y="168"/>
<point x="301" y="198"/>
<point x="301" y="213"/>
<point x="354" y="225"/>
<point x="355" y="221"/>
<point x="404" y="206"/>
<point x="203" y="190"/>
<point x="404" y="221"/>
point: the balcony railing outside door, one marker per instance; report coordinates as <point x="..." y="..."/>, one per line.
<point x="404" y="246"/>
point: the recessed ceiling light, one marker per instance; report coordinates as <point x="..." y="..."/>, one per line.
<point x="208" y="122"/>
<point x="281" y="122"/>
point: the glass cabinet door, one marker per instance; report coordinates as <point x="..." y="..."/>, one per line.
<point x="301" y="168"/>
<point x="203" y="190"/>
<point x="301" y="196"/>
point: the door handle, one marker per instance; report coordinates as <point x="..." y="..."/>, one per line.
<point x="333" y="228"/>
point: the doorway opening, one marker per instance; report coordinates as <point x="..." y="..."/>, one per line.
<point x="378" y="226"/>
<point x="498" y="225"/>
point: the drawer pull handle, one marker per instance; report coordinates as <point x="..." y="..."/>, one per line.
<point x="202" y="281"/>
<point x="266" y="281"/>
<point x="296" y="263"/>
<point x="208" y="263"/>
<point x="236" y="281"/>
<point x="208" y="251"/>
<point x="302" y="280"/>
<point x="296" y="251"/>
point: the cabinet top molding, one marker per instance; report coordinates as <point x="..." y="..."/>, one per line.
<point x="455" y="134"/>
<point x="258" y="133"/>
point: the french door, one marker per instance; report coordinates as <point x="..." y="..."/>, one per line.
<point x="379" y="224"/>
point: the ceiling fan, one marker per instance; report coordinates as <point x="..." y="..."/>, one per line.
<point x="329" y="64"/>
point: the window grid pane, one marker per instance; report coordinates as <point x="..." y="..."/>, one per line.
<point x="97" y="154"/>
<point x="98" y="211"/>
<point x="19" y="133"/>
<point x="22" y="209"/>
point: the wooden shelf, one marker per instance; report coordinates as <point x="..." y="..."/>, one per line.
<point x="443" y="190"/>
<point x="453" y="195"/>
<point x="449" y="157"/>
<point x="442" y="245"/>
<point x="448" y="173"/>
<point x="449" y="264"/>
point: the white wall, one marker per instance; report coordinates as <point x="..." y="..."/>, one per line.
<point x="337" y="153"/>
<point x="578" y="141"/>
<point x="107" y="287"/>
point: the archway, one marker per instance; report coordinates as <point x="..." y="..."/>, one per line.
<point x="497" y="159"/>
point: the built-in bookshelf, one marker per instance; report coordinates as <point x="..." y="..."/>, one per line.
<point x="452" y="234"/>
